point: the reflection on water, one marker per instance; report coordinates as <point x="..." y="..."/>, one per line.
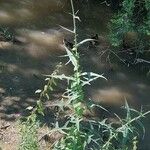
<point x="36" y="25"/>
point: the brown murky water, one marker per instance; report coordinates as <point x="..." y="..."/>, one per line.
<point x="36" y="24"/>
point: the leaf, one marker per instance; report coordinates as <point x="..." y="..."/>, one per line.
<point x="76" y="17"/>
<point x="40" y="108"/>
<point x="72" y="58"/>
<point x="38" y="91"/>
<point x="89" y="77"/>
<point x="54" y="82"/>
<point x="84" y="41"/>
<point x="61" y="77"/>
<point x="47" y="79"/>
<point x="45" y="88"/>
<point x="29" y="108"/>
<point x="89" y="139"/>
<point x="50" y="88"/>
<point x="128" y="117"/>
<point x="92" y="104"/>
<point x="143" y="128"/>
<point x="47" y="96"/>
<point x="66" y="29"/>
<point x="92" y="74"/>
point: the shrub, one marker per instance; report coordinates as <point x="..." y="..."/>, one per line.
<point x="129" y="20"/>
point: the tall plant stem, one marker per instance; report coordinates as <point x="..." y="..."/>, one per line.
<point x="74" y="24"/>
<point x="78" y="88"/>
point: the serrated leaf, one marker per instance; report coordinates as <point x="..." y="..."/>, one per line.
<point x="72" y="58"/>
<point x="61" y="77"/>
<point x="89" y="77"/>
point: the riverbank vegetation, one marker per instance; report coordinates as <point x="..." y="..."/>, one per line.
<point x="130" y="30"/>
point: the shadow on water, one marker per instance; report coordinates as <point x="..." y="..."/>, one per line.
<point x="36" y="26"/>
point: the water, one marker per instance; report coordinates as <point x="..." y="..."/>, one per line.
<point x="36" y="24"/>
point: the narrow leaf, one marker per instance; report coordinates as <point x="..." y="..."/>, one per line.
<point x="72" y="58"/>
<point x="84" y="41"/>
<point x="66" y="29"/>
<point x="38" y="91"/>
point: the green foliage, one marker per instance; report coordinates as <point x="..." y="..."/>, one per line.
<point x="122" y="23"/>
<point x="48" y="88"/>
<point x="128" y="7"/>
<point x="29" y="133"/>
<point x="29" y="127"/>
<point x="74" y="139"/>
<point x="125" y="21"/>
<point x="125" y="134"/>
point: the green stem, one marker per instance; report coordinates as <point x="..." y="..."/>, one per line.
<point x="74" y="24"/>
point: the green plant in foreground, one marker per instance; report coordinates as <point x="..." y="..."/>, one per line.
<point x="30" y="126"/>
<point x="28" y="131"/>
<point x="79" y="133"/>
<point x="77" y="136"/>
<point x="74" y="96"/>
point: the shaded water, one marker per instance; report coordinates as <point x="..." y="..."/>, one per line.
<point x="36" y="24"/>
